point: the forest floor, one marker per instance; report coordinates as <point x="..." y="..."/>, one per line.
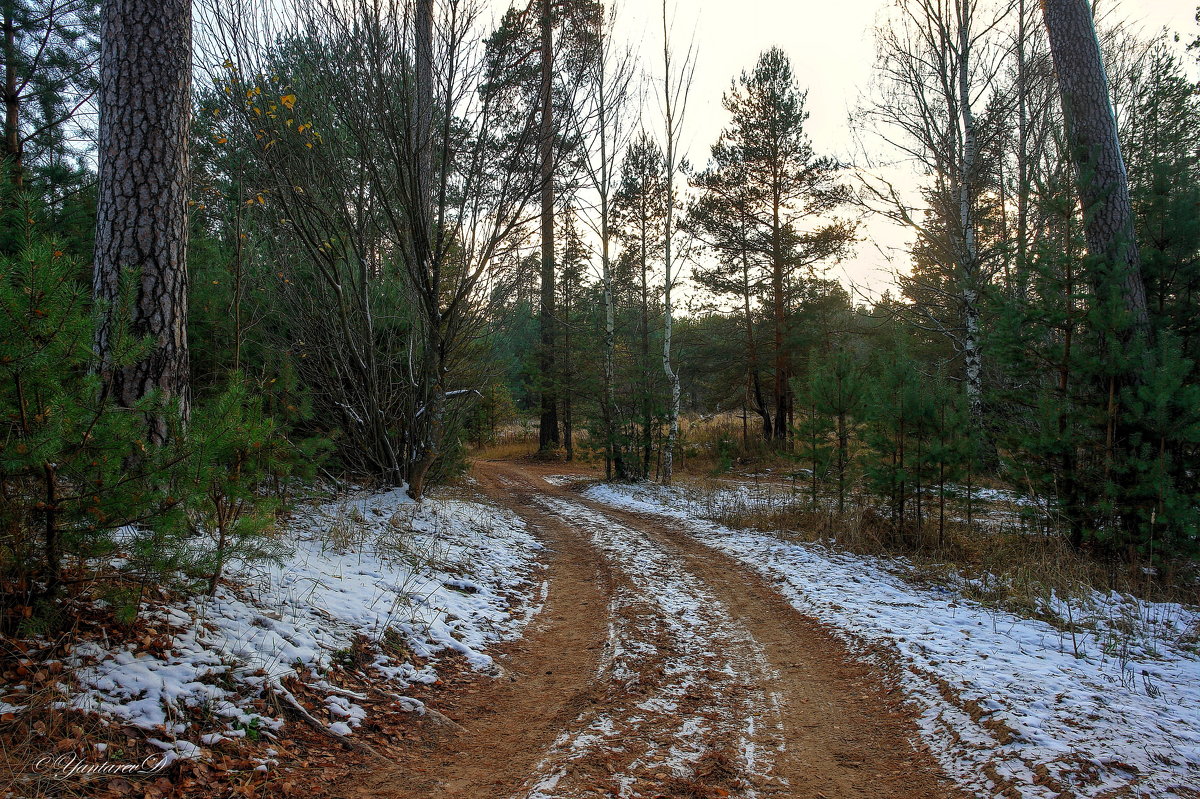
<point x="535" y="633"/>
<point x="659" y="667"/>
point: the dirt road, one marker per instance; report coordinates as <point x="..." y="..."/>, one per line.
<point x="659" y="668"/>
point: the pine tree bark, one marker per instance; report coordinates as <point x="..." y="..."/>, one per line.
<point x="12" y="101"/>
<point x="783" y="387"/>
<point x="754" y="375"/>
<point x="141" y="204"/>
<point x="548" y="438"/>
<point x="568" y="374"/>
<point x="1101" y="179"/>
<point x="615" y="461"/>
<point x="616" y="458"/>
<point x="644" y="341"/>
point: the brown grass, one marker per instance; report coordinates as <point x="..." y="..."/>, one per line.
<point x="996" y="562"/>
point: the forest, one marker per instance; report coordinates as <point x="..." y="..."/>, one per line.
<point x="252" y="251"/>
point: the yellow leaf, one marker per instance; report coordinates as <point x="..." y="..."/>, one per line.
<point x="288" y="100"/>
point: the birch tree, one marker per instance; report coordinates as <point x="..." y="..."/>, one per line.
<point x="606" y="134"/>
<point x="937" y="63"/>
<point x="399" y="179"/>
<point x="673" y="94"/>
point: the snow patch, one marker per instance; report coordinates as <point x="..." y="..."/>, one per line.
<point x="1004" y="701"/>
<point x="450" y="575"/>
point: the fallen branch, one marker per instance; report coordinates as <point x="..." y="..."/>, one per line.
<point x="279" y="692"/>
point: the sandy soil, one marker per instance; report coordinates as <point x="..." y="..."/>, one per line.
<point x="657" y="667"/>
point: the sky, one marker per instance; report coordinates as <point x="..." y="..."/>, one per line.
<point x="831" y="46"/>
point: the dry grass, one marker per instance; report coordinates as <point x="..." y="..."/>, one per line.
<point x="515" y="440"/>
<point x="520" y="441"/>
<point x="719" y="443"/>
<point x="1009" y="549"/>
<point x="509" y="450"/>
<point x="996" y="561"/>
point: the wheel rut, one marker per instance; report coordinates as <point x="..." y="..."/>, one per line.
<point x="658" y="667"/>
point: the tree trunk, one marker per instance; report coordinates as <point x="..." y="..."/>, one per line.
<point x="1103" y="189"/>
<point x="668" y="460"/>
<point x="141" y="204"/>
<point x="52" y="543"/>
<point x="428" y="428"/>
<point x="781" y="356"/>
<point x="548" y="423"/>
<point x="615" y="459"/>
<point x="755" y="384"/>
<point x="1101" y="180"/>
<point x="647" y="429"/>
<point x="615" y="455"/>
<point x="969" y="257"/>
<point x="1023" y="165"/>
<point x="422" y="132"/>
<point x="12" y="101"/>
<point x="568" y="375"/>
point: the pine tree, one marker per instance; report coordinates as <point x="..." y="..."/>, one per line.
<point x="572" y="304"/>
<point x="640" y="212"/>
<point x="814" y="434"/>
<point x="767" y="202"/>
<point x="1163" y="148"/>
<point x="900" y="420"/>
<point x="49" y="50"/>
<point x="73" y="465"/>
<point x="836" y="389"/>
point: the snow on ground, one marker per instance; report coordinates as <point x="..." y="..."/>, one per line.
<point x="446" y="575"/>
<point x="1004" y="702"/>
<point x="993" y="509"/>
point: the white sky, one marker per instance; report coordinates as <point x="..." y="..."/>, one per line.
<point x="830" y="43"/>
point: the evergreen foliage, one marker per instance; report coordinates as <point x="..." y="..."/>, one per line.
<point x="340" y="318"/>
